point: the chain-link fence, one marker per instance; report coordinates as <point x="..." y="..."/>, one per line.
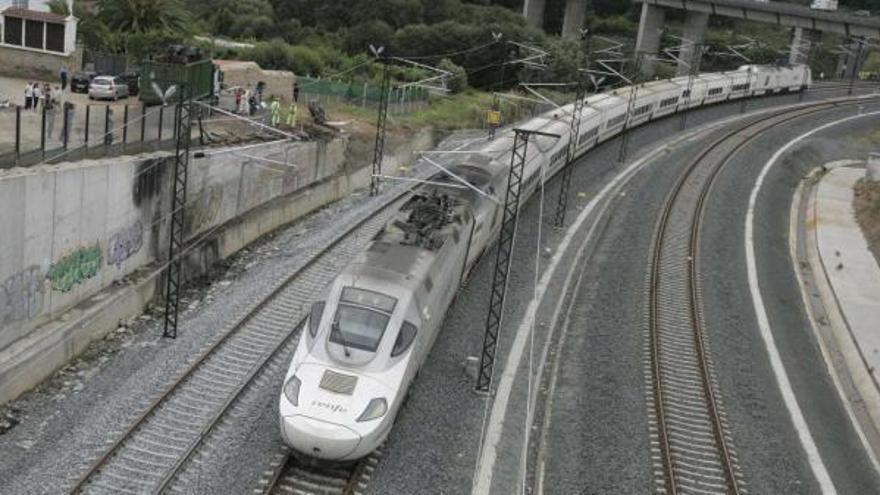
<point x="401" y="100"/>
<point x="28" y="137"/>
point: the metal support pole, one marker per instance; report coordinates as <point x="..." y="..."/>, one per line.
<point x="17" y="135"/>
<point x="174" y="279"/>
<point x="66" y="123"/>
<point x="496" y="103"/>
<point x="855" y="68"/>
<point x="161" y="121"/>
<point x="503" y="257"/>
<point x="696" y="59"/>
<point x="574" y="132"/>
<point x="125" y="127"/>
<point x="381" y="121"/>
<point x="633" y="97"/>
<point x="107" y="136"/>
<point x="143" y="122"/>
<point x="88" y="120"/>
<point x="43" y="135"/>
<point x="745" y="99"/>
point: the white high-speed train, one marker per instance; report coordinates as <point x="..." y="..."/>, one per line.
<point x="370" y="331"/>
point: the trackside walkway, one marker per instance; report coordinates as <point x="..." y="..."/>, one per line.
<point x="853" y="277"/>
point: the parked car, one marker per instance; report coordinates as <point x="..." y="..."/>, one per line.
<point x="80" y="81"/>
<point x="108" y="87"/>
<point x="132" y="80"/>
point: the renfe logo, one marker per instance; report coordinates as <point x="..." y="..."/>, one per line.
<point x="331" y="407"/>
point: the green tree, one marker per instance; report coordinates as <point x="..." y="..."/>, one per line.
<point x="140" y="16"/>
<point x="458" y="81"/>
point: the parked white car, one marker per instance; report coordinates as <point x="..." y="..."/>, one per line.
<point x="108" y="88"/>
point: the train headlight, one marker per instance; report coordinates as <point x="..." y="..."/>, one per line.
<point x="291" y="390"/>
<point x="375" y="409"/>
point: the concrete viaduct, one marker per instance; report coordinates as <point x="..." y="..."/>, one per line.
<point x="575" y="12"/>
<point x="807" y="24"/>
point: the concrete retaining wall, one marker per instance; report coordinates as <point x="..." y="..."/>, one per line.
<point x="83" y="245"/>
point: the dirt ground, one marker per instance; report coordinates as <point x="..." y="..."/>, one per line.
<point x="867" y="206"/>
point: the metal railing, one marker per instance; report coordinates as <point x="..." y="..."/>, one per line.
<point x="44" y="135"/>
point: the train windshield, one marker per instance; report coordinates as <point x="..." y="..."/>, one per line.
<point x="361" y="319"/>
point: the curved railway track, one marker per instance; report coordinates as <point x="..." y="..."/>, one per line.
<point x="154" y="451"/>
<point x="692" y="451"/>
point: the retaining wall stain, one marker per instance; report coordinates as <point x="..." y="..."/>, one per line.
<point x="148" y="179"/>
<point x="21" y="295"/>
<point x="204" y="210"/>
<point x="75" y="268"/>
<point x="125" y="243"/>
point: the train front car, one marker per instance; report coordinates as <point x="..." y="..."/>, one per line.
<point x="365" y="341"/>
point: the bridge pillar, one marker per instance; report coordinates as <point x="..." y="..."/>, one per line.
<point x="695" y="24"/>
<point x="802" y="41"/>
<point x="533" y="10"/>
<point x="852" y="61"/>
<point x="575" y="14"/>
<point x="648" y="40"/>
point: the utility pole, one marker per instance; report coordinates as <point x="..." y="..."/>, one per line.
<point x="174" y="281"/>
<point x="633" y="96"/>
<point x="855" y="65"/>
<point x="693" y="72"/>
<point x="503" y="256"/>
<point x="574" y="132"/>
<point x="494" y="115"/>
<point x="381" y="121"/>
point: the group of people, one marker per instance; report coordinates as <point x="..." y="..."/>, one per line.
<point x="246" y="101"/>
<point x="38" y="96"/>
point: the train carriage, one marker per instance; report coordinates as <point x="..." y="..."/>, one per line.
<point x="667" y="97"/>
<point x="613" y="109"/>
<point x="717" y="88"/>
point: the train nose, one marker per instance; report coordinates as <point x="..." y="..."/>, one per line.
<point x="320" y="439"/>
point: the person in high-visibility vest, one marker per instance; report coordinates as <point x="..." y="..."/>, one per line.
<point x="291" y="114"/>
<point x="275" y="107"/>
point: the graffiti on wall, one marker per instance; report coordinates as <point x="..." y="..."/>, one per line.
<point x="75" y="268"/>
<point x="21" y="295"/>
<point x="204" y="210"/>
<point x="125" y="243"/>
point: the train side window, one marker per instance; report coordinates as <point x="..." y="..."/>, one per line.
<point x="405" y="338"/>
<point x="315" y="317"/>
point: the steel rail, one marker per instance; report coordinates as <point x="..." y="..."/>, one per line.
<point x="756" y="127"/>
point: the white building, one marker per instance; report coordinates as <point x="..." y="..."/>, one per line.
<point x="35" y="42"/>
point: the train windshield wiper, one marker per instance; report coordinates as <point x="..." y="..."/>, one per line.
<point x="342" y="340"/>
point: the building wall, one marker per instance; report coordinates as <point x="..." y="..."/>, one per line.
<point x="37" y="64"/>
<point x="76" y="228"/>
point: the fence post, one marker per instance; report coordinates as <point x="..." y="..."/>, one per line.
<point x="43" y="135"/>
<point x="108" y="138"/>
<point x="403" y="101"/>
<point x="17" y="134"/>
<point x="66" y="123"/>
<point x="88" y="121"/>
<point x="143" y="123"/>
<point x="364" y="98"/>
<point x="125" y="127"/>
<point x="161" y="120"/>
